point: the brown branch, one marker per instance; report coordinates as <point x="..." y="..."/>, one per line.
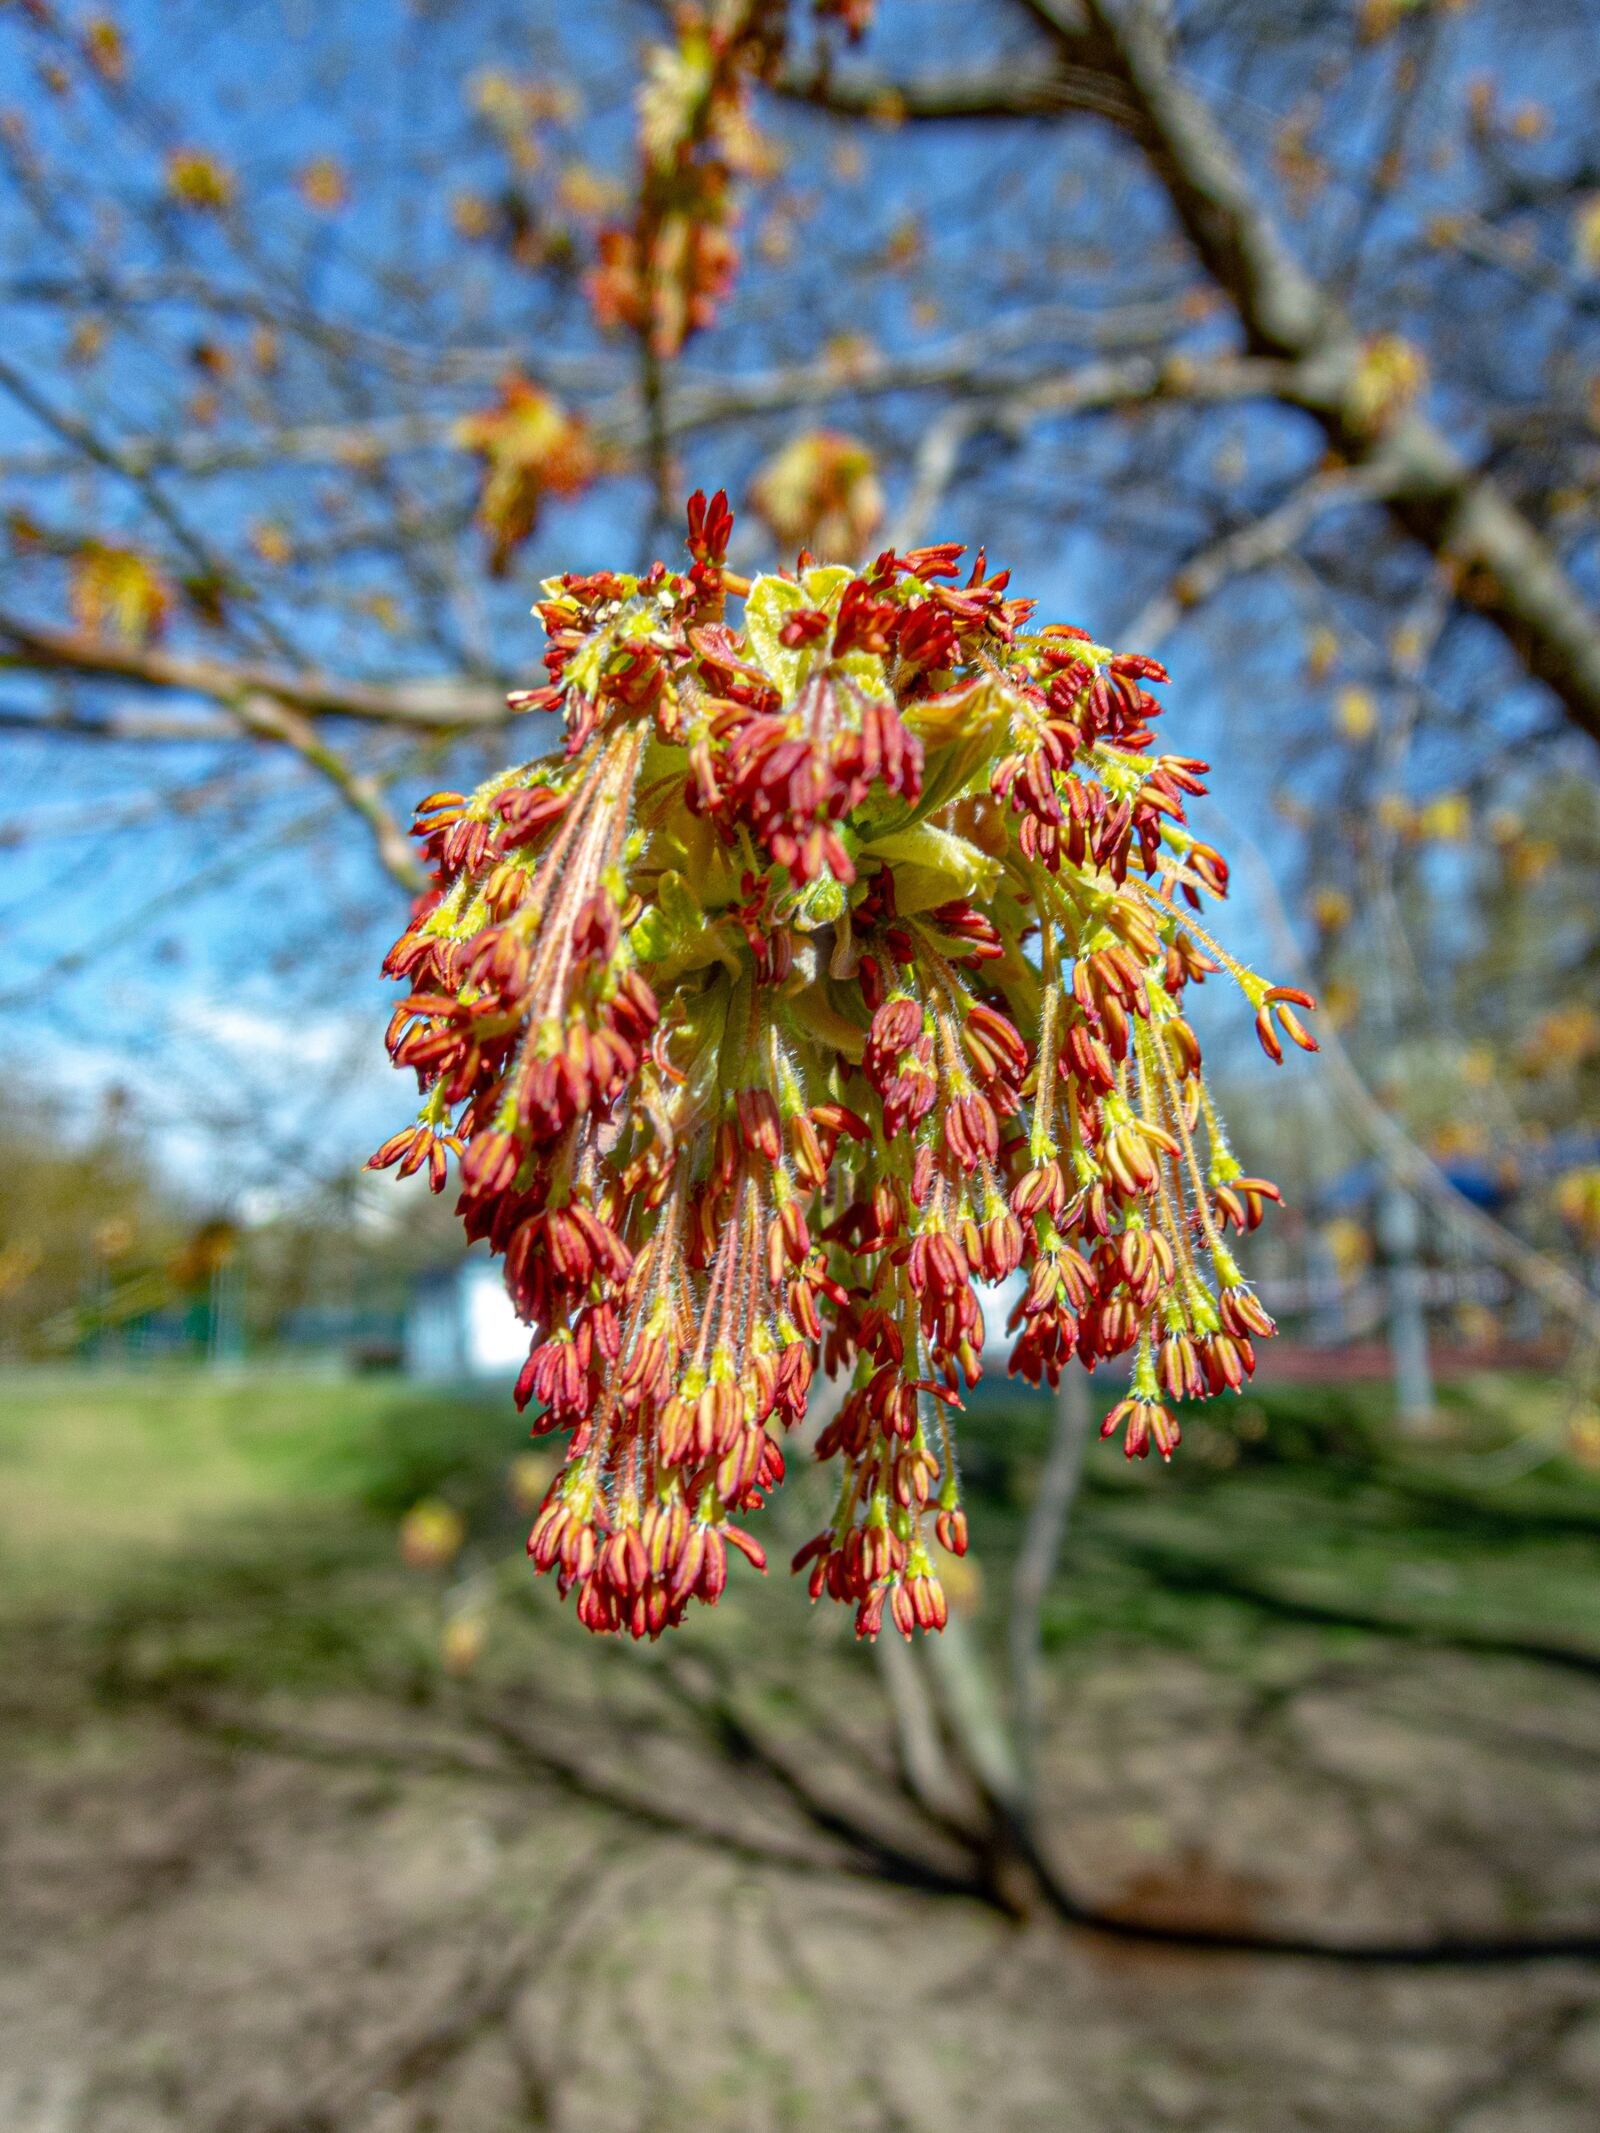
<point x="109" y="457"/>
<point x="932" y="472"/>
<point x="1264" y="541"/>
<point x="117" y="725"/>
<point x="438" y="704"/>
<point x="926" y="1770"/>
<point x="1032" y="92"/>
<point x="1104" y="382"/>
<point x="1114" y="59"/>
<point x="1560" y="1291"/>
<point x="270" y="720"/>
<point x="1037" y="1559"/>
<point x="83" y="441"/>
<point x="305" y="443"/>
<point x="701" y="399"/>
<point x="1095" y="387"/>
<point x="267" y="706"/>
<point x="99" y="288"/>
<point x="1505" y="568"/>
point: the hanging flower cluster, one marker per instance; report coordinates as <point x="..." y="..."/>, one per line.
<point x="663" y="274"/>
<point x="531" y="448"/>
<point x="821" y="491"/>
<point x="834" y="968"/>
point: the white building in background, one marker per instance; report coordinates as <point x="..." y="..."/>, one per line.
<point x="997" y="1300"/>
<point x="461" y="1325"/>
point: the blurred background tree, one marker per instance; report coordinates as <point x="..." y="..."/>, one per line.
<point x="1262" y="337"/>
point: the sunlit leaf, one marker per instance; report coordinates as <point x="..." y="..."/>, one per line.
<point x="1563" y="1040"/>
<point x="848" y="354"/>
<point x="1322" y="649"/>
<point x="431" y="1535"/>
<point x="461" y="1642"/>
<point x="472" y="216"/>
<point x="1355" y="714"/>
<point x="104" y="48"/>
<point x="1331" y="909"/>
<point x="198" y="180"/>
<point x="118" y="592"/>
<point x="86" y="343"/>
<point x="905" y="243"/>
<point x="270" y="543"/>
<point x="588" y="194"/>
<point x="1446" y="818"/>
<point x="1391" y="373"/>
<point x="1577" y="1199"/>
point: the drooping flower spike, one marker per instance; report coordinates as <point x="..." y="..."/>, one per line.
<point x="834" y="968"/>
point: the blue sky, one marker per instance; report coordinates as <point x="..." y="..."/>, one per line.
<point x="221" y="962"/>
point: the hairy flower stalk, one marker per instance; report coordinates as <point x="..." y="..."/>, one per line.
<point x="835" y="968"/>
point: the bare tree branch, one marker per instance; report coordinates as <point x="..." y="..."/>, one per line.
<point x="1252" y="547"/>
<point x="932" y="472"/>
<point x="1036" y="1562"/>
<point x="117" y="724"/>
<point x="437" y="704"/>
<point x="1037" y="91"/>
<point x="1507" y="570"/>
<point x="271" y="720"/>
<point x="700" y="399"/>
<point x="1560" y="1291"/>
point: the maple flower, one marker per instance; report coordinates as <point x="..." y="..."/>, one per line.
<point x="833" y="968"/>
<point x="118" y="592"/>
<point x="821" y="491"/>
<point x="199" y="180"/>
<point x="663" y="273"/>
<point x="531" y="448"/>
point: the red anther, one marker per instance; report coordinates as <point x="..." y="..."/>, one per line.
<point x="710" y="525"/>
<point x="805" y="626"/>
<point x="1244" y="1316"/>
<point x="994" y="1044"/>
<point x="528" y="809"/>
<point x="759" y="1124"/>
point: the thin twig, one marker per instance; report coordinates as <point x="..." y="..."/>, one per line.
<point x="273" y="721"/>
<point x="1264" y="541"/>
<point x="1542" y="1276"/>
<point x="438" y="704"/>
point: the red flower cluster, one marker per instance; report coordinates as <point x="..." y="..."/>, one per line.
<point x="664" y="273"/>
<point x="833" y="970"/>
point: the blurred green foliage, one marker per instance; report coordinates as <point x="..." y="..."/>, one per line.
<point x="190" y="1526"/>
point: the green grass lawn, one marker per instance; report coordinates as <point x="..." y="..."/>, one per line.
<point x="232" y="1501"/>
<point x="102" y="1475"/>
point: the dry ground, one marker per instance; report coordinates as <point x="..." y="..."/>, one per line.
<point x="267" y="1866"/>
